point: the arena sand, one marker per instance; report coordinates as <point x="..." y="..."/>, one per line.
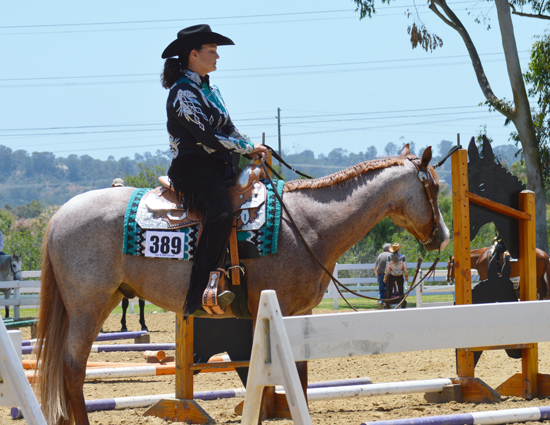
<point x="494" y="368"/>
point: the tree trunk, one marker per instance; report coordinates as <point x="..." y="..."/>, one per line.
<point x="523" y="121"/>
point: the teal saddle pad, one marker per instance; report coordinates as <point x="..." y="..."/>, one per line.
<point x="252" y="243"/>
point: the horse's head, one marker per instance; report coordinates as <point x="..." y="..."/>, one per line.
<point x="16" y="267"/>
<point x="420" y="212"/>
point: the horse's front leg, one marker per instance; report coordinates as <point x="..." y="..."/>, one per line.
<point x="142" y="315"/>
<point x="125" y="304"/>
<point x="7" y="297"/>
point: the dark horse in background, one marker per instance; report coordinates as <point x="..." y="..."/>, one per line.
<point x="480" y="261"/>
<point x="125" y="304"/>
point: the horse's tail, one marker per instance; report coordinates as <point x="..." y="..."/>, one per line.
<point x="53" y="326"/>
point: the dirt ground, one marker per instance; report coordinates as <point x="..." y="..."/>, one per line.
<point x="494" y="368"/>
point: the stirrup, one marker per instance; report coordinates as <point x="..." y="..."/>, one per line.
<point x="225" y="298"/>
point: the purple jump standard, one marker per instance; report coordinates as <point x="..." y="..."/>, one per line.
<point x="487" y="418"/>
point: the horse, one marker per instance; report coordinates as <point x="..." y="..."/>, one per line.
<point x="10" y="269"/>
<point x="480" y="261"/>
<point x="125" y="304"/>
<point x="85" y="274"/>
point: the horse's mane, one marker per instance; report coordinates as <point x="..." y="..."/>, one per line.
<point x="343" y="175"/>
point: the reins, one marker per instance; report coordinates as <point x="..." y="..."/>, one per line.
<point x="338" y="284"/>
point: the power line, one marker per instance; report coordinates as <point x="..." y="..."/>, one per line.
<point x="263" y="68"/>
<point x="62" y="133"/>
<point x="317" y="12"/>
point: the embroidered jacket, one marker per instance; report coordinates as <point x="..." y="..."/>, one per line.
<point x="198" y="121"/>
<point x="398" y="269"/>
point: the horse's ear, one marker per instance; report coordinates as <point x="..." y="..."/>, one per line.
<point x="426" y="158"/>
<point x="488" y="154"/>
<point x="473" y="153"/>
<point x="405" y="151"/>
<point x="506" y="268"/>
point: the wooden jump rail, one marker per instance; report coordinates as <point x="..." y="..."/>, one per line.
<point x="529" y="384"/>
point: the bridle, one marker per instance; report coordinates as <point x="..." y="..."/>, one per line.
<point x="429" y="185"/>
<point x="13" y="269"/>
<point x="337" y="283"/>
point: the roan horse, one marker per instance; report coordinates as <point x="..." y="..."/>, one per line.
<point x="10" y="269"/>
<point x="85" y="274"/>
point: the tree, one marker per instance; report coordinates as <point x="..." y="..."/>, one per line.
<point x="147" y="176"/>
<point x="390" y="148"/>
<point x="444" y="147"/>
<point x="517" y="112"/>
<point x="538" y="76"/>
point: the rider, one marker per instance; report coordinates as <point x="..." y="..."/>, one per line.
<point x="202" y="141"/>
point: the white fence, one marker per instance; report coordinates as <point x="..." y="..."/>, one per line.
<point x="26" y="293"/>
<point x="434" y="285"/>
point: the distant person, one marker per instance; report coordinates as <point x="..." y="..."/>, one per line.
<point x="380" y="269"/>
<point x="396" y="272"/>
<point x="2" y="243"/>
<point x="117" y="183"/>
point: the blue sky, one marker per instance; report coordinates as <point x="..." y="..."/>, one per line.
<point x="83" y="77"/>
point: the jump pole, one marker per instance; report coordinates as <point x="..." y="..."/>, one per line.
<point x="100" y="348"/>
<point x="526" y="383"/>
<point x="491" y="417"/>
<point x="135" y="402"/>
<point x="111" y="336"/>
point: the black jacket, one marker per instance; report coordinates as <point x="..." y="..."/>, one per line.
<point x="198" y="120"/>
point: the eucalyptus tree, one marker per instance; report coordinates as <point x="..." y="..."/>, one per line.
<point x="518" y="111"/>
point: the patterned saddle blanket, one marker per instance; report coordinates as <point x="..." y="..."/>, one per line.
<point x="156" y="224"/>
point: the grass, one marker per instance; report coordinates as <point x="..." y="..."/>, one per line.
<point x="358" y="303"/>
<point x="362" y="303"/>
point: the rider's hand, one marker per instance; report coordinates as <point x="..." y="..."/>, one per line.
<point x="260" y="151"/>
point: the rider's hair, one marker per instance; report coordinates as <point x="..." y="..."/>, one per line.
<point x="174" y="67"/>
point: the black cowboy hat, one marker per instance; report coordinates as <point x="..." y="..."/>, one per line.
<point x="194" y="36"/>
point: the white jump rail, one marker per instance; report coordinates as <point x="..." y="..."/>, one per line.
<point x="280" y="342"/>
<point x="15" y="389"/>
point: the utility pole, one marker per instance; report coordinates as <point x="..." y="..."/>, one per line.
<point x="279" y="127"/>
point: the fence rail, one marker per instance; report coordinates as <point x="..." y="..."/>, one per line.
<point x="368" y="286"/>
<point x="26" y="293"/>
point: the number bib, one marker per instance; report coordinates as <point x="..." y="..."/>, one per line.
<point x="164" y="244"/>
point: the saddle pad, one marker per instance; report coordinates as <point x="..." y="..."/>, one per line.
<point x="252" y="243"/>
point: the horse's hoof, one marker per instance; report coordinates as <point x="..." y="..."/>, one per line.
<point x="225" y="298"/>
<point x="144" y="328"/>
<point x="124" y="329"/>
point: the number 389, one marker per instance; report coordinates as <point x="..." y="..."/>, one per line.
<point x="165" y="245"/>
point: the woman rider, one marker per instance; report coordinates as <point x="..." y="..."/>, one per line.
<point x="202" y="141"/>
